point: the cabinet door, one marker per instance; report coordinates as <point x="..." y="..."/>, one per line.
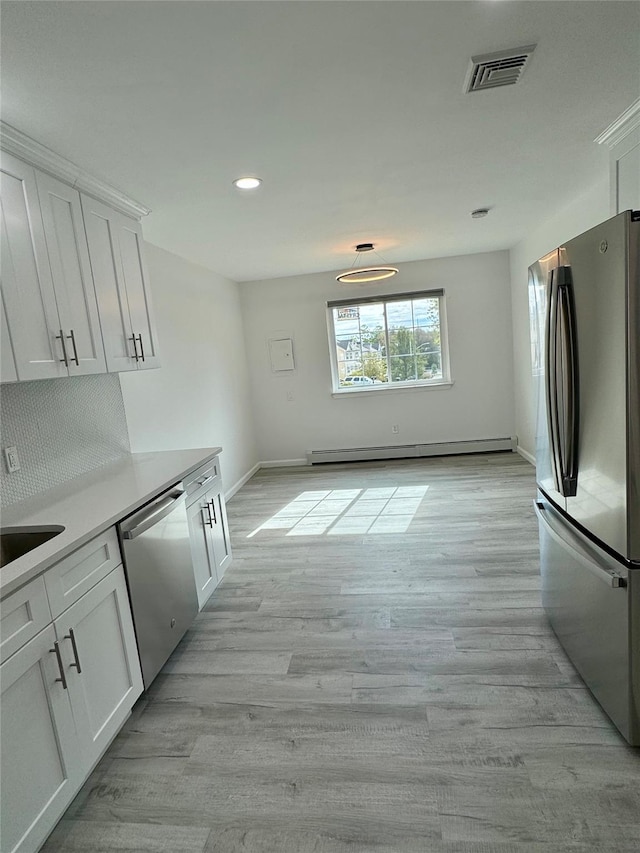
<point x="204" y="566"/>
<point x="27" y="286"/>
<point x="101" y="224"/>
<point x="219" y="533"/>
<point x="40" y="765"/>
<point x="8" y="372"/>
<point x="136" y="280"/>
<point x="101" y="663"/>
<point x="71" y="272"/>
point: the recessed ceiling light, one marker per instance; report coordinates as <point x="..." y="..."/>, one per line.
<point x="479" y="212"/>
<point x="247" y="183"/>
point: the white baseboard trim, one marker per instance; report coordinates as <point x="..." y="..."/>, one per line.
<point x="294" y="463"/>
<point x="408" y="451"/>
<point x="526" y="455"/>
<point x="283" y="463"/>
<point x="229" y="493"/>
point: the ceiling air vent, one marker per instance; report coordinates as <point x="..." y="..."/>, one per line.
<point x="497" y="69"/>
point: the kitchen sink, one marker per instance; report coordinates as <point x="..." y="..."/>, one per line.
<point x="17" y="541"/>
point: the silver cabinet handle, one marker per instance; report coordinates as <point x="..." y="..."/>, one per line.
<point x="135" y="347"/>
<point x="141" y="347"/>
<point x="64" y="358"/>
<point x="56" y="651"/>
<point x="206" y="480"/>
<point x="71" y="636"/>
<point x="213" y="510"/>
<point x="72" y="338"/>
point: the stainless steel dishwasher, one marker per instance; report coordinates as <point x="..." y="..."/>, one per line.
<point x="159" y="570"/>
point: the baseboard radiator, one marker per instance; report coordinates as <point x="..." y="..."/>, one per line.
<point x="408" y="451"/>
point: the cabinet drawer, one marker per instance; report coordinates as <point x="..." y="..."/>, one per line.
<point x="201" y="480"/>
<point x="77" y="573"/>
<point x="22" y="615"/>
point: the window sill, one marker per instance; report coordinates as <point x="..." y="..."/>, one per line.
<point x="385" y="389"/>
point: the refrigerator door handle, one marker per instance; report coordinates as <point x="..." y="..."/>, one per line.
<point x="567" y="541"/>
<point x="551" y="379"/>
<point x="569" y="396"/>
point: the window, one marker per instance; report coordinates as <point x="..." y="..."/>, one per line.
<point x="380" y="342"/>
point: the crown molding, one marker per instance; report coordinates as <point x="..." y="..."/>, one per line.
<point x="621" y="127"/>
<point x="15" y="142"/>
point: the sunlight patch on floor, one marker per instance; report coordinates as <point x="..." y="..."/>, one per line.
<point x="347" y="512"/>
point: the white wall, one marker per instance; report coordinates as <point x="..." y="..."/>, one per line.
<point x="200" y="397"/>
<point x="582" y="213"/>
<point x="479" y="405"/>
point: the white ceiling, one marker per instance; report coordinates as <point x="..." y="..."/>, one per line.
<point x="351" y="112"/>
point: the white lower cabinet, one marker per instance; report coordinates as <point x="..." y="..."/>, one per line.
<point x="204" y="566"/>
<point x="101" y="663"/>
<point x="41" y="764"/>
<point x="208" y="528"/>
<point x="65" y="694"/>
<point x="219" y="532"/>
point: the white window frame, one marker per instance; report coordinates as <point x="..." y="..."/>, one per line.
<point x="384" y="387"/>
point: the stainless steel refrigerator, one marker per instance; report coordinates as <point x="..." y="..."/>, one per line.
<point x="585" y="318"/>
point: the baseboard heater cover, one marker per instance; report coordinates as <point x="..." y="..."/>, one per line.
<point x="408" y="451"/>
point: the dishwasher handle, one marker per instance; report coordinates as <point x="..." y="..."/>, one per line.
<point x="155" y="513"/>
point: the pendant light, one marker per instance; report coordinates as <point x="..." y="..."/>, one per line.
<point x="358" y="275"/>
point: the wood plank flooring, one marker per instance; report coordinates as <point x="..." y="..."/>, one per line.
<point x="369" y="692"/>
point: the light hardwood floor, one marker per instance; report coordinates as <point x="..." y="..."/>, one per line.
<point x="347" y="692"/>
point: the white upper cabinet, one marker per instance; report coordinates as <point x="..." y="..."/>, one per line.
<point x="122" y="287"/>
<point x="27" y="286"/>
<point x="71" y="273"/>
<point x="136" y="279"/>
<point x="75" y="287"/>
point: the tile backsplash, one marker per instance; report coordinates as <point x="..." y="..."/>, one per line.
<point x="62" y="428"/>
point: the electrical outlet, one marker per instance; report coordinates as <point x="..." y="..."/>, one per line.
<point x="289" y="396"/>
<point x="395" y="429"/>
<point x="12" y="459"/>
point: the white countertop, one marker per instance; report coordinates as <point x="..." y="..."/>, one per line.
<point x="87" y="505"/>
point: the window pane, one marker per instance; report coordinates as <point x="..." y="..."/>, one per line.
<point x="399" y="314"/>
<point x="403" y="368"/>
<point x="428" y="352"/>
<point x="374" y="365"/>
<point x="427" y="312"/>
<point x="372" y="316"/>
<point x="401" y="341"/>
<point x="435" y="369"/>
